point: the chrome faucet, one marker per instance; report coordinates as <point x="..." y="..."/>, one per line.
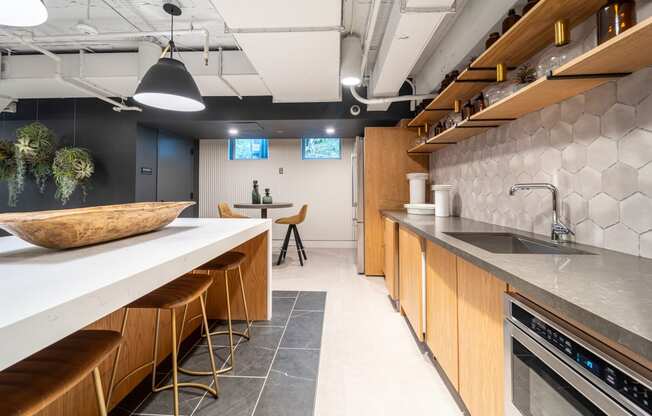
<point x="559" y="231"/>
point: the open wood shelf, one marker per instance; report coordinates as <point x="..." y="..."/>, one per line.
<point x="427" y="148"/>
<point x="464" y="130"/>
<point x="529" y="35"/>
<point x="533" y="32"/>
<point x="615" y="58"/>
<point x="444" y="102"/>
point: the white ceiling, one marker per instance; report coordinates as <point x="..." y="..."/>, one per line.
<point x="247" y="14"/>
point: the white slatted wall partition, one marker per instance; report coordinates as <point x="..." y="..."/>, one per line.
<point x="325" y="185"/>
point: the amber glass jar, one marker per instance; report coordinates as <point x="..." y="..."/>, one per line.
<point x="468" y="110"/>
<point x="493" y="37"/>
<point x="530" y="4"/>
<point x="614" y="18"/>
<point x="510" y="20"/>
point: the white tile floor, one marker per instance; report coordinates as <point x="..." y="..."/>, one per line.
<point x="370" y="363"/>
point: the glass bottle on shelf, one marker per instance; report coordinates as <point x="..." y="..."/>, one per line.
<point x="479" y="103"/>
<point x="267" y="198"/>
<point x="493" y="37"/>
<point x="530" y="4"/>
<point x="255" y="195"/>
<point x="510" y="20"/>
<point x="614" y="18"/>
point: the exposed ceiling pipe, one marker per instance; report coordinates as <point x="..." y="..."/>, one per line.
<point x="219" y="75"/>
<point x="285" y="29"/>
<point x="371" y="28"/>
<point x="117" y="36"/>
<point x="414" y="91"/>
<point x="116" y="105"/>
<point x="388" y="100"/>
<point x="81" y="79"/>
<point x="443" y="9"/>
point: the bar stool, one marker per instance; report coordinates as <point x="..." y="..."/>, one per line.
<point x="230" y="261"/>
<point x="32" y="384"/>
<point x="180" y="292"/>
<point x="225" y="211"/>
<point x="292" y="223"/>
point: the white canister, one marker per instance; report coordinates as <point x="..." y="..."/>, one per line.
<point x="417" y="187"/>
<point x="442" y="198"/>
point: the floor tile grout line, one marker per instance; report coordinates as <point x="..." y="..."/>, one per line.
<point x="275" y="354"/>
<point x="301" y="349"/>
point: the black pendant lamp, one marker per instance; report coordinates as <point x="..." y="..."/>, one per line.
<point x="168" y="85"/>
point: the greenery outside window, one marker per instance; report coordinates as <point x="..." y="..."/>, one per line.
<point x="248" y="149"/>
<point x="321" y="148"/>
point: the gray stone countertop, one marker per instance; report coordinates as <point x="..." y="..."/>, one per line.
<point x="609" y="292"/>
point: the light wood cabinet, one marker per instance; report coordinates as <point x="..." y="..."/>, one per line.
<point x="411" y="279"/>
<point x="386" y="162"/>
<point x="441" y="309"/>
<point x="391" y="258"/>
<point x="481" y="352"/>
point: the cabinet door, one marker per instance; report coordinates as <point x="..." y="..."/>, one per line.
<point x="441" y="308"/>
<point x="410" y="279"/>
<point x="391" y="258"/>
<point x="481" y="351"/>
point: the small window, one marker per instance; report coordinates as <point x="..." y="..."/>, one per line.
<point x="320" y="148"/>
<point x="248" y="149"/>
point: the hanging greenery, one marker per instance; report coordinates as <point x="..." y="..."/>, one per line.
<point x="8" y="170"/>
<point x="34" y="150"/>
<point x="72" y="168"/>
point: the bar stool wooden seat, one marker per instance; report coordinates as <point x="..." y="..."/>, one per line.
<point x="32" y="384"/>
<point x="225" y="211"/>
<point x="180" y="292"/>
<point x="221" y="266"/>
<point x="292" y="223"/>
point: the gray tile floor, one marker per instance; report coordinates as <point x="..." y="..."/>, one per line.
<point x="275" y="372"/>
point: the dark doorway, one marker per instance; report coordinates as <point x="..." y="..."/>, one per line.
<point x="177" y="179"/>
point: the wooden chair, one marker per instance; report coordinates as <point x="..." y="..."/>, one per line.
<point x="292" y="223"/>
<point x="32" y="384"/>
<point x="180" y="292"/>
<point x="225" y="211"/>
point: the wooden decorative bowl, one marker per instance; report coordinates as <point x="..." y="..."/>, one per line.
<point x="69" y="228"/>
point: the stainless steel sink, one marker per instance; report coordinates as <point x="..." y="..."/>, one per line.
<point x="507" y="243"/>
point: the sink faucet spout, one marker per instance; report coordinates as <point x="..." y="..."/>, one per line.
<point x="559" y="231"/>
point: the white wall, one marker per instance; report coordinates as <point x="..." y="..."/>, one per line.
<point x="325" y="185"/>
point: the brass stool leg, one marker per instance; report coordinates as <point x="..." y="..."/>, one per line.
<point x="228" y="315"/>
<point x="175" y="379"/>
<point x="244" y="302"/>
<point x="155" y="350"/>
<point x="99" y="392"/>
<point x="123" y="328"/>
<point x="183" y="324"/>
<point x="210" y="346"/>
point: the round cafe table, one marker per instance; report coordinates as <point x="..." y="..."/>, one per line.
<point x="264" y="207"/>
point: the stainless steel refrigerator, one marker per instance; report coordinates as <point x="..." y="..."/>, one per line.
<point x="357" y="177"/>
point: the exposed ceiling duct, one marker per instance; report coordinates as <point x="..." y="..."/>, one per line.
<point x="411" y="26"/>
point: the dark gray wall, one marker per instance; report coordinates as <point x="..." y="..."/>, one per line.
<point x="146" y="157"/>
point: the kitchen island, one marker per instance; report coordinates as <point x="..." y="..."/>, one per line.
<point x="47" y="295"/>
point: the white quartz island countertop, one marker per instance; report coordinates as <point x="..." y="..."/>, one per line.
<point x="46" y="295"/>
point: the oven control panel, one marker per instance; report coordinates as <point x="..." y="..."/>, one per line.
<point x="597" y="365"/>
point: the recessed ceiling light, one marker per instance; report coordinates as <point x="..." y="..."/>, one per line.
<point x="330" y="130"/>
<point x="23" y="13"/>
<point x="233" y="131"/>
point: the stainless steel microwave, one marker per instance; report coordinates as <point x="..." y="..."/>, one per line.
<point x="553" y="370"/>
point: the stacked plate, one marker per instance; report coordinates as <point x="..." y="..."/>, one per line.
<point x="420" y="209"/>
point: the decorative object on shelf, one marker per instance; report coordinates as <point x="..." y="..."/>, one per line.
<point x="255" y="194"/>
<point x="167" y="84"/>
<point x="267" y="198"/>
<point x="457" y="106"/>
<point x="71" y="228"/>
<point x="562" y="32"/>
<point x="614" y="18"/>
<point x="530" y="4"/>
<point x="72" y="168"/>
<point x="526" y="74"/>
<point x="479" y="104"/>
<point x="510" y="20"/>
<point x="8" y="170"/>
<point x="493" y="37"/>
<point x="468" y="110"/>
<point x="34" y="151"/>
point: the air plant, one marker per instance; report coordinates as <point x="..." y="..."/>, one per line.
<point x="72" y="168"/>
<point x="526" y="74"/>
<point x="34" y="151"/>
<point x="8" y="170"/>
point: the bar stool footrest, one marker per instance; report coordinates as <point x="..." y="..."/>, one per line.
<point x="187" y="384"/>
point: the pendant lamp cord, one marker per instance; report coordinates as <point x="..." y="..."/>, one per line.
<point x="171" y="34"/>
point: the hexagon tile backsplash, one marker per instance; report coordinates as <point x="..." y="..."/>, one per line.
<point x="596" y="148"/>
